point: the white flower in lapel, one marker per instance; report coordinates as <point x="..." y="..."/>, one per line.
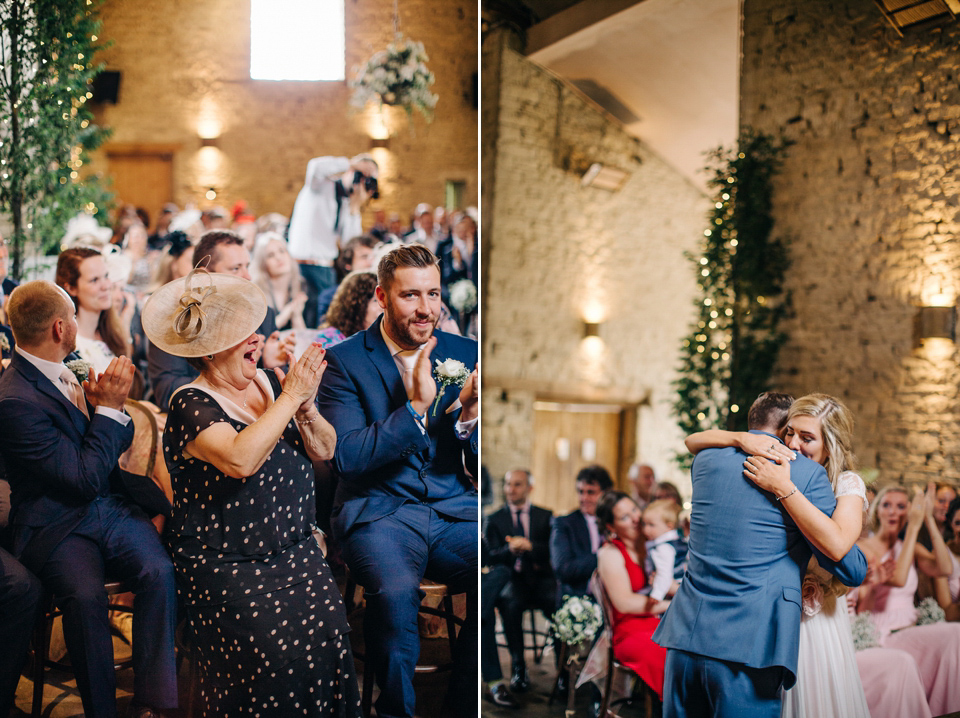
<point x="80" y="368"/>
<point x="4" y="342"/>
<point x="446" y="373"/>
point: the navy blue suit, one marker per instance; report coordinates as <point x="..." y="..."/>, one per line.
<point x="571" y="555"/>
<point x="404" y="507"/>
<point x="733" y="629"/>
<point x="74" y="523"/>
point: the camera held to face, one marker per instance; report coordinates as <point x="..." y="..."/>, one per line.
<point x="368" y="183"/>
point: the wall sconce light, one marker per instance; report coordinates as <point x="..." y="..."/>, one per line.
<point x="935" y="323"/>
<point x="591" y="329"/>
<point x="380" y="143"/>
<point x="209" y="142"/>
<point x="211" y="194"/>
<point x="602" y="177"/>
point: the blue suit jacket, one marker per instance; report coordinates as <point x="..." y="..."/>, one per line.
<point x="740" y="599"/>
<point x="571" y="555"/>
<point x="382" y="458"/>
<point x="58" y="461"/>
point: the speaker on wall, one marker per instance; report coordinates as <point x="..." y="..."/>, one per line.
<point x="106" y="87"/>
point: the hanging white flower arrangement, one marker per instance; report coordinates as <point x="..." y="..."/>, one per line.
<point x="397" y="76"/>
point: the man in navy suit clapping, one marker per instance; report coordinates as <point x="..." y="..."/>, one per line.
<point x="405" y="507"/>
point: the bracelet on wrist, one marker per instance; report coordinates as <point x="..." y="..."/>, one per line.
<point x="787" y="495"/>
<point x="307" y="421"/>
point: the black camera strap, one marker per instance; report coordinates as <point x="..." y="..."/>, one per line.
<point x="341" y="193"/>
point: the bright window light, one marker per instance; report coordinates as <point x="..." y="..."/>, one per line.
<point x="296" y="40"/>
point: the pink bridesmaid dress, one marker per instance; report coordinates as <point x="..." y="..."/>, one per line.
<point x="935" y="647"/>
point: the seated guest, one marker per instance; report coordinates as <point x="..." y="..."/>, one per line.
<point x="518" y="536"/>
<point x="493" y="577"/>
<point x="947" y="588"/>
<point x="357" y="255"/>
<point x="354" y="308"/>
<point x="275" y="272"/>
<point x="575" y="538"/>
<point x="73" y="515"/>
<point x="666" y="490"/>
<point x="424" y="230"/>
<point x="935" y="647"/>
<point x="666" y="549"/>
<point x="175" y="261"/>
<point x="7" y="283"/>
<point x="101" y="336"/>
<point x="620" y="568"/>
<point x="219" y="251"/>
<point x="643" y="481"/>
<point x="239" y="444"/>
<point x="405" y="506"/>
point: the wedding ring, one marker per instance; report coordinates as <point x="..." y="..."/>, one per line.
<point x="772" y="447"/>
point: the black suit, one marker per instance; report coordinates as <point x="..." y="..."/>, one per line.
<point x="73" y="523"/>
<point x="533" y="585"/>
<point x="571" y="555"/>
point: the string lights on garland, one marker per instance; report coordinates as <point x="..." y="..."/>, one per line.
<point x="46" y="127"/>
<point x="729" y="354"/>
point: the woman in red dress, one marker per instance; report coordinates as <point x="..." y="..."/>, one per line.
<point x="620" y="566"/>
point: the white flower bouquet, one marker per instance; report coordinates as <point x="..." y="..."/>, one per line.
<point x="463" y="296"/>
<point x="80" y="368"/>
<point x="446" y="373"/>
<point x="396" y="76"/>
<point x="864" y="630"/>
<point x="577" y="620"/>
<point x="4" y="342"/>
<point x="929" y="611"/>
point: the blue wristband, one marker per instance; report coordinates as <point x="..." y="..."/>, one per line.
<point x="418" y="417"/>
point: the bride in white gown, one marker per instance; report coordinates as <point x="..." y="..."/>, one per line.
<point x="821" y="428"/>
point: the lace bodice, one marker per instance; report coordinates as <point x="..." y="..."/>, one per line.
<point x="849" y="483"/>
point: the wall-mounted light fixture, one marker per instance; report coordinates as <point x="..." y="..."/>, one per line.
<point x="591" y="329"/>
<point x="211" y="194"/>
<point x="935" y="323"/>
<point x="380" y="143"/>
<point x="209" y="142"/>
<point x="603" y="177"/>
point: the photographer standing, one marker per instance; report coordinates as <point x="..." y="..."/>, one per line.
<point x="328" y="210"/>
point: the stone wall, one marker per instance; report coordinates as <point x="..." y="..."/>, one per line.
<point x="185" y="65"/>
<point x="869" y="198"/>
<point x="560" y="253"/>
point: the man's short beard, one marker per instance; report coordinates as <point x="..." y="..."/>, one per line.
<point x="401" y="333"/>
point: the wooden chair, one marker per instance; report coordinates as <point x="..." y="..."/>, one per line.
<point x="444" y="611"/>
<point x="41" y="642"/>
<point x="641" y="691"/>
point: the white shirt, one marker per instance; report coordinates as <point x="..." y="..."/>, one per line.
<point x="462" y="428"/>
<point x="311" y="234"/>
<point x="51" y="370"/>
<point x="594" y="531"/>
<point x="663" y="556"/>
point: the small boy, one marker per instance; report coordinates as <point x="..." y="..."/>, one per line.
<point x="666" y="549"/>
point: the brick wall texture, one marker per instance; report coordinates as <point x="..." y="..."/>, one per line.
<point x="558" y="251"/>
<point x="183" y="62"/>
<point x="869" y="199"/>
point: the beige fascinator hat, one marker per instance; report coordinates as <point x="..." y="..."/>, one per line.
<point x="203" y="313"/>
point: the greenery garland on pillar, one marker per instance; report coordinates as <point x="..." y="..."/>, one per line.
<point x="46" y="126"/>
<point x="729" y="355"/>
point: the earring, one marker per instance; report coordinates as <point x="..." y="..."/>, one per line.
<point x="209" y="356"/>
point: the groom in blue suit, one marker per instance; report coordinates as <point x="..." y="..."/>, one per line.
<point x="732" y="631"/>
<point x="405" y="507"/>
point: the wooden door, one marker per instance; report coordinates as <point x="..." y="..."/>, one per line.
<point x="142" y="175"/>
<point x="567" y="437"/>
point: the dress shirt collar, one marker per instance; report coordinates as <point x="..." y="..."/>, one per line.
<point x="396" y="352"/>
<point x="670" y="535"/>
<point x="50" y="369"/>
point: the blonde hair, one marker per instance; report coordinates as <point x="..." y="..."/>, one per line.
<point x="668" y="510"/>
<point x="836" y="427"/>
<point x="872" y="520"/>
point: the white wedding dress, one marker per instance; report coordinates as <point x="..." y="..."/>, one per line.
<point x="828" y="681"/>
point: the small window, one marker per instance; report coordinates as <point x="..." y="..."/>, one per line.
<point x="297" y="40"/>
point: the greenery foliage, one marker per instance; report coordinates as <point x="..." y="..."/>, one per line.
<point x="729" y="355"/>
<point x="46" y="127"/>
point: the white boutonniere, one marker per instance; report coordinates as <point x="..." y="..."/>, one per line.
<point x="4" y="342"/>
<point x="446" y="373"/>
<point x="80" y="368"/>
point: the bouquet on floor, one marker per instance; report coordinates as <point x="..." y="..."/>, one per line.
<point x="397" y="76"/>
<point x="577" y="620"/>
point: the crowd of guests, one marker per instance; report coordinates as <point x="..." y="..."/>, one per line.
<point x="261" y="388"/>
<point x="876" y="555"/>
<point x="533" y="560"/>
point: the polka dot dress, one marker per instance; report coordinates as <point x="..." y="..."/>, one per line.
<point x="266" y="617"/>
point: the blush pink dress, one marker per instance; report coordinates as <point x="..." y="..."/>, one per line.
<point x="935" y="647"/>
